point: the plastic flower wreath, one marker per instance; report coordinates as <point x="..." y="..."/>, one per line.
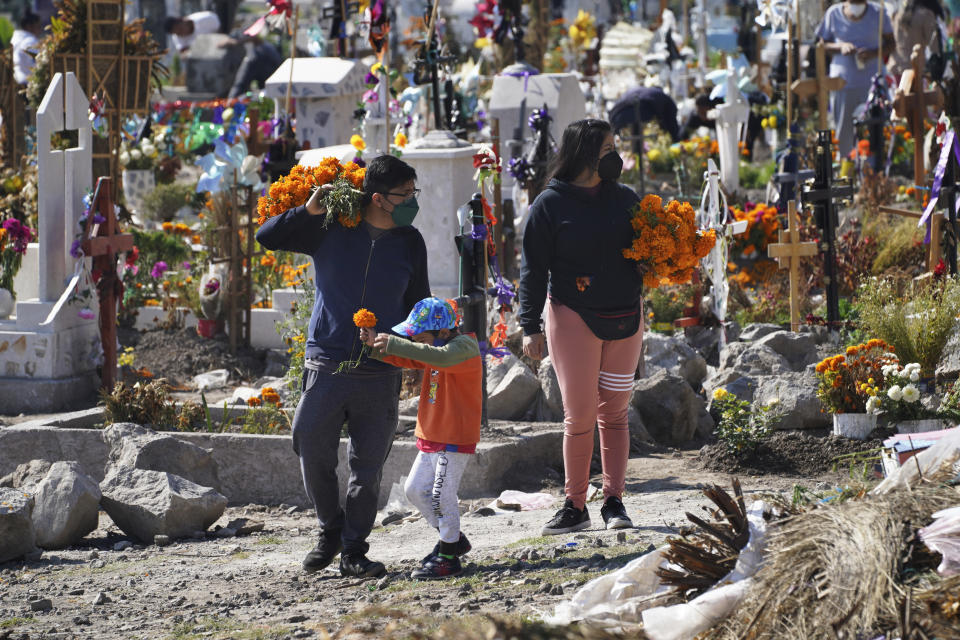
<point x="487" y="164"/>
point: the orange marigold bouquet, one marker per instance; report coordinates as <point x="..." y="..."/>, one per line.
<point x="667" y="241"/>
<point x="342" y="201"/>
<point x="362" y="319"/>
<point x="847" y="381"/>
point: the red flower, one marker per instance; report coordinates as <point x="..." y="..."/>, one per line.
<point x="940" y="270"/>
<point x="132" y="255"/>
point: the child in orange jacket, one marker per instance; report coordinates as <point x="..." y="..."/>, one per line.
<point x="448" y="419"/>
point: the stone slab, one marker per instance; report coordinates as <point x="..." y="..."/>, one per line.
<point x="264" y="469"/>
<point x="40" y="395"/>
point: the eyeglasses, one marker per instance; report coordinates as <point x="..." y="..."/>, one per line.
<point x="412" y="194"/>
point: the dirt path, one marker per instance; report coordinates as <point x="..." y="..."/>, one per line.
<point x="252" y="587"/>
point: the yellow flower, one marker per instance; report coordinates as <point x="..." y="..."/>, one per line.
<point x="400" y="140"/>
<point x="481" y="43"/>
<point x="376" y="67"/>
<point x="720" y="393"/>
<point x="358" y="142"/>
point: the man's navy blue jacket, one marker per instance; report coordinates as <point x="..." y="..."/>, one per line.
<point x="387" y="276"/>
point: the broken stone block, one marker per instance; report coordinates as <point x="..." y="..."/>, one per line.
<point x="17" y="536"/>
<point x="515" y="393"/>
<point x="136" y="447"/>
<point x="67" y="506"/>
<point x="145" y="504"/>
<point x="26" y="476"/>
<point x="670" y="409"/>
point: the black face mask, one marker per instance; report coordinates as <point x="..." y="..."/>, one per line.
<point x="610" y="166"/>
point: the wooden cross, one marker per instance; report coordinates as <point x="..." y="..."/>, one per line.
<point x="102" y="242"/>
<point x="788" y="253"/>
<point x="821" y="85"/>
<point x="911" y="102"/>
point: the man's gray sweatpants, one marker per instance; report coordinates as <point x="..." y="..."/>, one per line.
<point x="368" y="403"/>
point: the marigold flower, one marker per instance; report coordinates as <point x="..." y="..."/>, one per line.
<point x="358" y="142"/>
<point x="254" y="401"/>
<point x="364" y="318"/>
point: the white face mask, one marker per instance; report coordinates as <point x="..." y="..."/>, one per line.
<point x="856" y="10"/>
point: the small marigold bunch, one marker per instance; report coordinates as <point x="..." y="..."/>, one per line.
<point x="847" y="381"/>
<point x="270" y="395"/>
<point x="342" y="202"/>
<point x="667" y="241"/>
<point x="364" y="318"/>
<point x="762" y="228"/>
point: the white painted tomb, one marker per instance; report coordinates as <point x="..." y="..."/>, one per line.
<point x="48" y="354"/>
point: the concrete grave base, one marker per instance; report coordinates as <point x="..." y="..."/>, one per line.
<point x="265" y="470"/>
<point x="38" y="395"/>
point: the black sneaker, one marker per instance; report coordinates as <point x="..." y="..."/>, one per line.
<point x="615" y="515"/>
<point x="323" y="554"/>
<point x="463" y="548"/>
<point x="357" y="565"/>
<point x="436" y="566"/>
<point x="568" y="519"/>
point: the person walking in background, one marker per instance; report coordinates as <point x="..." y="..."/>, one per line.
<point x="917" y="23"/>
<point x="25" y="42"/>
<point x="572" y="253"/>
<point x="850" y="30"/>
<point x="448" y="420"/>
<point x="380" y="264"/>
<point x="184" y="30"/>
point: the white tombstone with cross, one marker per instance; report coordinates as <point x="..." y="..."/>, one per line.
<point x="326" y="91"/>
<point x="731" y="120"/>
<point x="48" y="352"/>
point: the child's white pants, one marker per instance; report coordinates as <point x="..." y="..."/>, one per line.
<point x="432" y="487"/>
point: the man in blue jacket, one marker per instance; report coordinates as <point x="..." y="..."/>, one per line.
<point x="380" y="265"/>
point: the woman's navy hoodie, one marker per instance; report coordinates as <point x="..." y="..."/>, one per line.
<point x="387" y="276"/>
<point x="573" y="235"/>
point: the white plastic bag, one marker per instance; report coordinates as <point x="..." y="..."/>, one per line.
<point x="944" y="453"/>
<point x="526" y="501"/>
<point x="216" y="379"/>
<point x="943" y="537"/>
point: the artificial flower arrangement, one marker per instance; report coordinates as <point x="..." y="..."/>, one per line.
<point x="900" y="397"/>
<point x="342" y="201"/>
<point x="847" y="382"/>
<point x="667" y="241"/>
<point x="14" y="237"/>
<point x="135" y="156"/>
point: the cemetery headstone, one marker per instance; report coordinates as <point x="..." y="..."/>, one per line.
<point x="731" y="121"/>
<point x="326" y="91"/>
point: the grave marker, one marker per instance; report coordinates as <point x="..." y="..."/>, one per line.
<point x="731" y="121"/>
<point x="788" y="253"/>
<point x="821" y="86"/>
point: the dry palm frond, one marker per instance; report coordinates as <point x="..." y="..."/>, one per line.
<point x="710" y="550"/>
<point x="837" y="571"/>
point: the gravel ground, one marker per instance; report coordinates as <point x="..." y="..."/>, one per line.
<point x="252" y="586"/>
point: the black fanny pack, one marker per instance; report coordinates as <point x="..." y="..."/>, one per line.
<point x="611" y="324"/>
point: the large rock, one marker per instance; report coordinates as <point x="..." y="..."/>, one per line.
<point x="752" y="359"/>
<point x="514" y="394"/>
<point x="26" y="476"/>
<point x="551" y="406"/>
<point x="757" y="330"/>
<point x="16" y="528"/>
<point x="706" y="340"/>
<point x="136" y="447"/>
<point x="796" y="395"/>
<point x="799" y="349"/>
<point x="670" y="409"/>
<point x="949" y="366"/>
<point x="674" y="355"/>
<point x="145" y="504"/>
<point x="67" y="506"/>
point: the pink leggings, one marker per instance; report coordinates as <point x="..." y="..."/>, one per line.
<point x="596" y="380"/>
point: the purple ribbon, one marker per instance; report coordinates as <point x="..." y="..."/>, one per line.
<point x="494" y="352"/>
<point x="479" y="232"/>
<point x="522" y="74"/>
<point x="539" y="118"/>
<point x="949" y="142"/>
<point x="502" y="289"/>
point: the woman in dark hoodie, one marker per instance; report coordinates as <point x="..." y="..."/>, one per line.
<point x="572" y="253"/>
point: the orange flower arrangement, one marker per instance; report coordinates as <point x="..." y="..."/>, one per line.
<point x="846" y="381"/>
<point x="364" y="319"/>
<point x="295" y="189"/>
<point x="667" y="241"/>
<point x="269" y="394"/>
<point x="255" y="401"/>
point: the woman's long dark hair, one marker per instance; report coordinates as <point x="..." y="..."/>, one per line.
<point x="579" y="149"/>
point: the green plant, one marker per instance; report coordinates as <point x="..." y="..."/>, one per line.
<point x="900" y="243"/>
<point x="756" y="176"/>
<point x="666" y="304"/>
<point x="166" y="199"/>
<point x="293" y="330"/>
<point x="917" y="321"/>
<point x="741" y="427"/>
<point x="266" y="420"/>
<point x="949" y="408"/>
<point x="144" y="403"/>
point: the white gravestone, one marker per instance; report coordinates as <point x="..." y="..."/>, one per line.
<point x="48" y="353"/>
<point x="731" y="120"/>
<point x="326" y="91"/>
<point x="513" y="99"/>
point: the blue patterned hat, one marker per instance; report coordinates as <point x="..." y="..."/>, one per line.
<point x="430" y="314"/>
